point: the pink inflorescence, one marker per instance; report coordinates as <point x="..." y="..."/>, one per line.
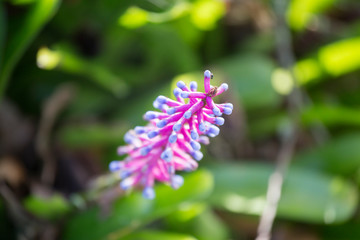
<point x="171" y="140"/>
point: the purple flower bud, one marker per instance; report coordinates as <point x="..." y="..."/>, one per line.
<point x="115" y="166"/>
<point x="161" y="123"/>
<point x="150" y="115"/>
<point x="177" y="181"/>
<point x="153" y="133"/>
<point x="148" y="193"/>
<point x="193" y="86"/>
<point x="207" y="74"/>
<point x="173" y="137"/>
<point x="126" y="183"/>
<point x="181" y="84"/>
<point x="184" y="94"/>
<point x="145" y="150"/>
<point x="194" y="134"/>
<point x="171" y="111"/>
<point x="167" y="155"/>
<point x="177" y="126"/>
<point x="229" y="105"/>
<point x="187" y="114"/>
<point x="219" y="121"/>
<point x="197" y="155"/>
<point x="195" y="145"/>
<point x="227" y="110"/>
<point x="140" y="130"/>
<point x="216" y="111"/>
<point x="161" y="99"/>
<point x="213" y="131"/>
<point x="202" y="127"/>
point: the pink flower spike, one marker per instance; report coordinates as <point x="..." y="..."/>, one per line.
<point x="170" y="142"/>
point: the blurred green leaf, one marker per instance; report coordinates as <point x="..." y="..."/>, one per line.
<point x="2" y="32"/>
<point x="67" y="60"/>
<point x="39" y="13"/>
<point x="331" y="115"/>
<point x="340" y="155"/>
<point x="250" y="75"/>
<point x="301" y="12"/>
<point x="199" y="221"/>
<point x="49" y="208"/>
<point x="133" y="211"/>
<point x="158" y="235"/>
<point x="307" y="196"/>
<point x="92" y="135"/>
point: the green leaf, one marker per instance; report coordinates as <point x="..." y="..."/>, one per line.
<point x="133" y="211"/>
<point x="340" y="155"/>
<point x="306" y="196"/>
<point x="301" y="12"/>
<point x="92" y="135"/>
<point x="250" y="75"/>
<point x="198" y="220"/>
<point x="331" y="115"/>
<point x="48" y="208"/>
<point x="39" y="13"/>
<point x="158" y="235"/>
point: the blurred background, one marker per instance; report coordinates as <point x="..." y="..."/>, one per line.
<point x="75" y="75"/>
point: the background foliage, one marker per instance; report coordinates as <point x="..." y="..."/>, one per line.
<point x="75" y="75"/>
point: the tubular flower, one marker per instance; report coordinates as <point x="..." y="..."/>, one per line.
<point x="172" y="139"/>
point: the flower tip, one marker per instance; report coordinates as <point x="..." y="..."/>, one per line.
<point x="170" y="111"/>
<point x="197" y="155"/>
<point x="173" y="138"/>
<point x="180" y="84"/>
<point x="187" y="114"/>
<point x="177" y="92"/>
<point x="184" y="94"/>
<point x="219" y="121"/>
<point x="115" y="166"/>
<point x="194" y="135"/>
<point x="227" y="110"/>
<point x="177" y="181"/>
<point x="139" y="130"/>
<point x="207" y="74"/>
<point x="229" y="105"/>
<point x="148" y="193"/>
<point x="193" y="86"/>
<point x="225" y="86"/>
<point x="177" y="127"/>
<point x="167" y="155"/>
<point x="216" y="111"/>
<point x="161" y="123"/>
<point x="153" y="134"/>
<point x="202" y="127"/>
<point x="161" y="99"/>
<point x="145" y="150"/>
<point x="149" y="115"/>
<point x="195" y="145"/>
<point x="213" y="131"/>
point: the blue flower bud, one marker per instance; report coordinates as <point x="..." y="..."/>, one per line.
<point x="219" y="121"/>
<point x="180" y="84"/>
<point x="184" y="94"/>
<point x="177" y="127"/>
<point x="128" y="138"/>
<point x="202" y="127"/>
<point x="124" y="174"/>
<point x="153" y="134"/>
<point x="207" y="74"/>
<point x="126" y="183"/>
<point x="227" y="110"/>
<point x="145" y="150"/>
<point x="225" y="86"/>
<point x="193" y="86"/>
<point x="148" y="193"/>
<point x="195" y="145"/>
<point x="177" y="181"/>
<point x="177" y="92"/>
<point x="167" y="154"/>
<point x="161" y="123"/>
<point x="150" y="115"/>
<point x="173" y="138"/>
<point x="213" y="131"/>
<point x="161" y="99"/>
<point x="171" y="111"/>
<point x="187" y="114"/>
<point x="229" y="105"/>
<point x="194" y="134"/>
<point x="115" y="166"/>
<point x="216" y="111"/>
<point x="197" y="155"/>
<point x="139" y="130"/>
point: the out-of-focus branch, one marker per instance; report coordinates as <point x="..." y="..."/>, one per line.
<point x="53" y="106"/>
<point x="296" y="101"/>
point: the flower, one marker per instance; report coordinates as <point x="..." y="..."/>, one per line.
<point x="172" y="139"/>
